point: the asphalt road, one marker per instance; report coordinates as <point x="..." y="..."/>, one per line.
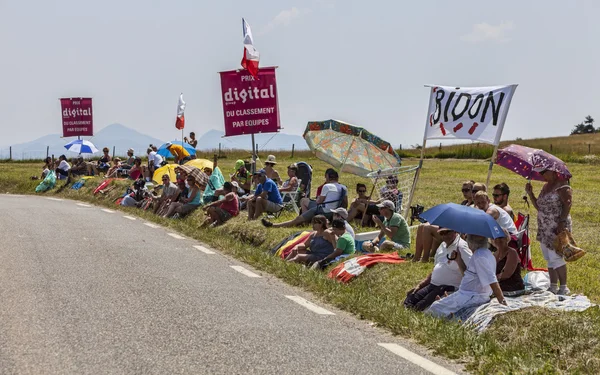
<point x="85" y="291"/>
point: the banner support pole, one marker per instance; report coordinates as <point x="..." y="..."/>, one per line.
<point x="253" y="155"/>
<point x="489" y="175"/>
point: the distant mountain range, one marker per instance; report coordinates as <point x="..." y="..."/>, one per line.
<point x="122" y="138"/>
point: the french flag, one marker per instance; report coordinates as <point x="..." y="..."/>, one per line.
<point x="180" y="122"/>
<point x="251" y="55"/>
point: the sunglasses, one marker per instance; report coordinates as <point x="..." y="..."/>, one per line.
<point x="497" y="195"/>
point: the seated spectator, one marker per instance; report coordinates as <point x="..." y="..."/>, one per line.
<point x="291" y="184"/>
<point x="393" y="227"/>
<point x="222" y="210"/>
<point x="447" y="272"/>
<point x="477" y="284"/>
<point x="48" y="166"/>
<point x="179" y="152"/>
<point x="344" y="244"/>
<point x="508" y="267"/>
<point x="136" y="194"/>
<point x="266" y="197"/>
<point x="428" y="239"/>
<point x="500" y="194"/>
<point x="136" y="171"/>
<point x="81" y="168"/>
<point x="104" y="162"/>
<point x="129" y="162"/>
<point x="242" y="176"/>
<point x="482" y="201"/>
<point x="270" y="169"/>
<point x="186" y="204"/>
<point x="333" y="195"/>
<point x="340" y="213"/>
<point x="62" y="171"/>
<point x="307" y="203"/>
<point x="319" y="244"/>
<point x="168" y="195"/>
<point x="112" y="171"/>
<point x="361" y="204"/>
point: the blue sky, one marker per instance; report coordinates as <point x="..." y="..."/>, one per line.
<point x="363" y="62"/>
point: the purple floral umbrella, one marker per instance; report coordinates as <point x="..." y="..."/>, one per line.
<point x="526" y="161"/>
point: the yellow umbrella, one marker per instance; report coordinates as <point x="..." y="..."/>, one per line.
<point x="200" y="163"/>
<point x="167" y="169"/>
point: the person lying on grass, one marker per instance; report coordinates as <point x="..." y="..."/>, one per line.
<point x="319" y="244"/>
<point x="222" y="210"/>
<point x="446" y="275"/>
<point x="476" y="286"/>
<point x="393" y="227"/>
<point x="344" y="244"/>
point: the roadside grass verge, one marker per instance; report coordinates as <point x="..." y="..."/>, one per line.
<point x="537" y="341"/>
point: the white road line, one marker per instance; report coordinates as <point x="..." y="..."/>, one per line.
<point x="417" y="359"/>
<point x="83" y="205"/>
<point x="108" y="211"/>
<point x="309" y="305"/>
<point x="55" y="199"/>
<point x="14" y="195"/>
<point x="244" y="271"/>
<point x="203" y="249"/>
<point x="175" y="235"/>
<point x="151" y="225"/>
<point x="129" y="217"/>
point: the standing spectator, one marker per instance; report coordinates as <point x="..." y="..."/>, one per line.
<point x="393" y="227"/>
<point x="62" y="171"/>
<point x="446" y="275"/>
<point x="154" y="162"/>
<point x="222" y="210"/>
<point x="266" y="198"/>
<point x="553" y="206"/>
<point x="500" y="194"/>
<point x="270" y="169"/>
<point x="477" y="284"/>
<point x="192" y="141"/>
<point x="179" y="152"/>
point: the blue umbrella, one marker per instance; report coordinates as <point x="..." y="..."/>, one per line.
<point x="463" y="219"/>
<point x="162" y="150"/>
<point x="81" y="147"/>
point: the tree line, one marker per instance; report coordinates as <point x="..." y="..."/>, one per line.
<point x="585" y="127"/>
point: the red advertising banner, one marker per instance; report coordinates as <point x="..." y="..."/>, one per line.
<point x="250" y="105"/>
<point x="77" y="117"/>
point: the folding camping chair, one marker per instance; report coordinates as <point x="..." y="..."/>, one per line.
<point x="291" y="200"/>
<point x="523" y="243"/>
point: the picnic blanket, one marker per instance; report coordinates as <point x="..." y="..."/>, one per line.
<point x="480" y="317"/>
<point x="351" y="268"/>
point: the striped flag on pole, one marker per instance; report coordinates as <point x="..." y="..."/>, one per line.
<point x="251" y="55"/>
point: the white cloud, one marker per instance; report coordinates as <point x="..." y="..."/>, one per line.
<point x="484" y="31"/>
<point x="284" y="18"/>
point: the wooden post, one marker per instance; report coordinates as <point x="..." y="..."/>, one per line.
<point x="215" y="161"/>
<point x="254" y="148"/>
<point x="440" y="146"/>
<point x="47" y="151"/>
<point x="550" y="147"/>
<point x="293" y="150"/>
<point x="219" y="149"/>
<point x="113" y="152"/>
<point x="10" y="153"/>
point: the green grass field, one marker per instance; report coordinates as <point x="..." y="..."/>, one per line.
<point x="530" y="341"/>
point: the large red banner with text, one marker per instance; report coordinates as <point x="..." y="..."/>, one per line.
<point x="250" y="105"/>
<point x="77" y="117"/>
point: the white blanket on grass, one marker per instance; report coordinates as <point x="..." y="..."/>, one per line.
<point x="482" y="316"/>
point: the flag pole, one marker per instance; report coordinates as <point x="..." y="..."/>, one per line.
<point x="498" y="136"/>
<point x="420" y="166"/>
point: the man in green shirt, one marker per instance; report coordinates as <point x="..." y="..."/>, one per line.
<point x="393" y="227"/>
<point x="344" y="244"/>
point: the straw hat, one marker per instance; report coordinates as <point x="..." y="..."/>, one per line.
<point x="271" y="159"/>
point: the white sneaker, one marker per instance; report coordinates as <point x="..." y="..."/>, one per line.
<point x="563" y="291"/>
<point x="553" y="289"/>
